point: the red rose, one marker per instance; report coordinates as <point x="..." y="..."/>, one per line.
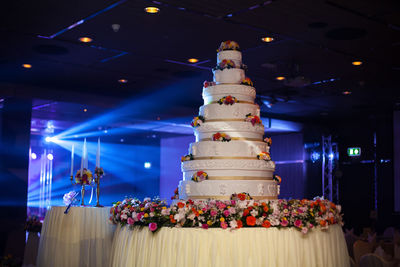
<point x="245" y="212"/>
<point x="239" y="224"/>
<point x="250" y="220"/>
<point x="266" y="224"/>
<point x="242" y="197"/>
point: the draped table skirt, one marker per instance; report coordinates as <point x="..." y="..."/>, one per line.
<point x="83" y="237"/>
<point x="193" y="247"/>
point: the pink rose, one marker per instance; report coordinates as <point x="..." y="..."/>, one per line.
<point x="204" y="226"/>
<point x="284" y="223"/>
<point x="226" y="213"/>
<point x="153" y="227"/>
<point x="304" y="230"/>
<point x="213" y="213"/>
<point x="139" y="216"/>
<point x="130" y="221"/>
<point x="224" y="225"/>
<point x="297" y="223"/>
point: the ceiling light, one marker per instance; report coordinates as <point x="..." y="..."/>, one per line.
<point x="122" y="80"/>
<point x="27" y="66"/>
<point x="346" y="92"/>
<point x="85" y="39"/>
<point x="356" y="63"/>
<point x="152" y="9"/>
<point x="267" y="39"/>
<point x="193" y="60"/>
<point x="85" y="110"/>
<point x="280" y="78"/>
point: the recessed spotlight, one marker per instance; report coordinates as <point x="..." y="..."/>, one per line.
<point x="267" y="39"/>
<point x="85" y="110"/>
<point x="85" y="39"/>
<point x="193" y="60"/>
<point x="27" y="66"/>
<point x="122" y="80"/>
<point x="346" y="92"/>
<point x="356" y="63"/>
<point x="152" y="9"/>
<point x="280" y="78"/>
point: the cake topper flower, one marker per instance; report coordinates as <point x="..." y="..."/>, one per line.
<point x="176" y="194"/>
<point x="187" y="157"/>
<point x="228" y="45"/>
<point x="247" y="81"/>
<point x="241" y="196"/>
<point x="228" y="100"/>
<point x="277" y="178"/>
<point x="268" y="140"/>
<point x="225" y="64"/>
<point x="264" y="156"/>
<point x="223" y="137"/>
<point x="200" y="176"/>
<point x="207" y="84"/>
<point x="253" y="119"/>
<point x="197" y="121"/>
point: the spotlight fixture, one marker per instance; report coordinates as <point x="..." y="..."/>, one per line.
<point x="147" y="165"/>
<point x="27" y="66"/>
<point x="267" y="39"/>
<point x="280" y="78"/>
<point x="152" y="9"/>
<point x="122" y="80"/>
<point x="193" y="60"/>
<point x="356" y="63"/>
<point x="85" y="110"/>
<point x="33" y="155"/>
<point x="346" y="92"/>
<point x="48" y="139"/>
<point x="50" y="156"/>
<point x="85" y="39"/>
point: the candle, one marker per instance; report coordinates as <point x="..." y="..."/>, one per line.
<point x="72" y="160"/>
<point x="98" y="154"/>
<point x="83" y="157"/>
<point x="85" y="162"/>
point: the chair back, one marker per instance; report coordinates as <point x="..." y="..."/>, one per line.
<point x="360" y="248"/>
<point x="373" y="260"/>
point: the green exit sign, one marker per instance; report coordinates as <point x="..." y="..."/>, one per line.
<point x="354" y="151"/>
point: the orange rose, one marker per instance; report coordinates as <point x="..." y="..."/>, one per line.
<point x="331" y="220"/>
<point x="181" y="205"/>
<point x="250" y="220"/>
<point x="171" y="218"/>
<point x="323" y="223"/>
<point x="266" y="224"/>
<point x="266" y="209"/>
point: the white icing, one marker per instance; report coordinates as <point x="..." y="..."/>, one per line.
<point x="240" y="91"/>
<point x="234" y="75"/>
<point x="234" y="148"/>
<point x="235" y="111"/>
<point x="235" y="56"/>
<point x="227" y="188"/>
<point x="229" y="167"/>
<point x="233" y="128"/>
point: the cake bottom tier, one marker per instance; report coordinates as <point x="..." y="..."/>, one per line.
<point x="223" y="189"/>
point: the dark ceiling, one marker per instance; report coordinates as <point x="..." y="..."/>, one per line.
<point x="315" y="43"/>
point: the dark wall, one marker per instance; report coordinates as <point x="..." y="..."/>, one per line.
<point x="14" y="162"/>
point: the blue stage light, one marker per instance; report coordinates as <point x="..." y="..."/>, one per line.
<point x="315" y="156"/>
<point x="33" y="155"/>
<point x="48" y="139"/>
<point x="331" y="156"/>
<point x="50" y="156"/>
<point x="147" y="165"/>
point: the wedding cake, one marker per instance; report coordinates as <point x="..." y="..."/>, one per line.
<point x="230" y="155"/>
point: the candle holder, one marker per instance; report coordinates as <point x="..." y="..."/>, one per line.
<point x="98" y="171"/>
<point x="85" y="179"/>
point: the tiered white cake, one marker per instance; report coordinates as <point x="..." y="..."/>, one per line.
<point x="230" y="155"/>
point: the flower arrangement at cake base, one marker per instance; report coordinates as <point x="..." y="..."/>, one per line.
<point x="240" y="211"/>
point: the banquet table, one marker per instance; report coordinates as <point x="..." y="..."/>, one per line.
<point x="82" y="237"/>
<point x="195" y="247"/>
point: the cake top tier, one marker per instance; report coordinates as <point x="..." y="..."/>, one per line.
<point x="228" y="45"/>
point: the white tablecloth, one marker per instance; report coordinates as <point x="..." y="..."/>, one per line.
<point x="191" y="247"/>
<point x="81" y="238"/>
